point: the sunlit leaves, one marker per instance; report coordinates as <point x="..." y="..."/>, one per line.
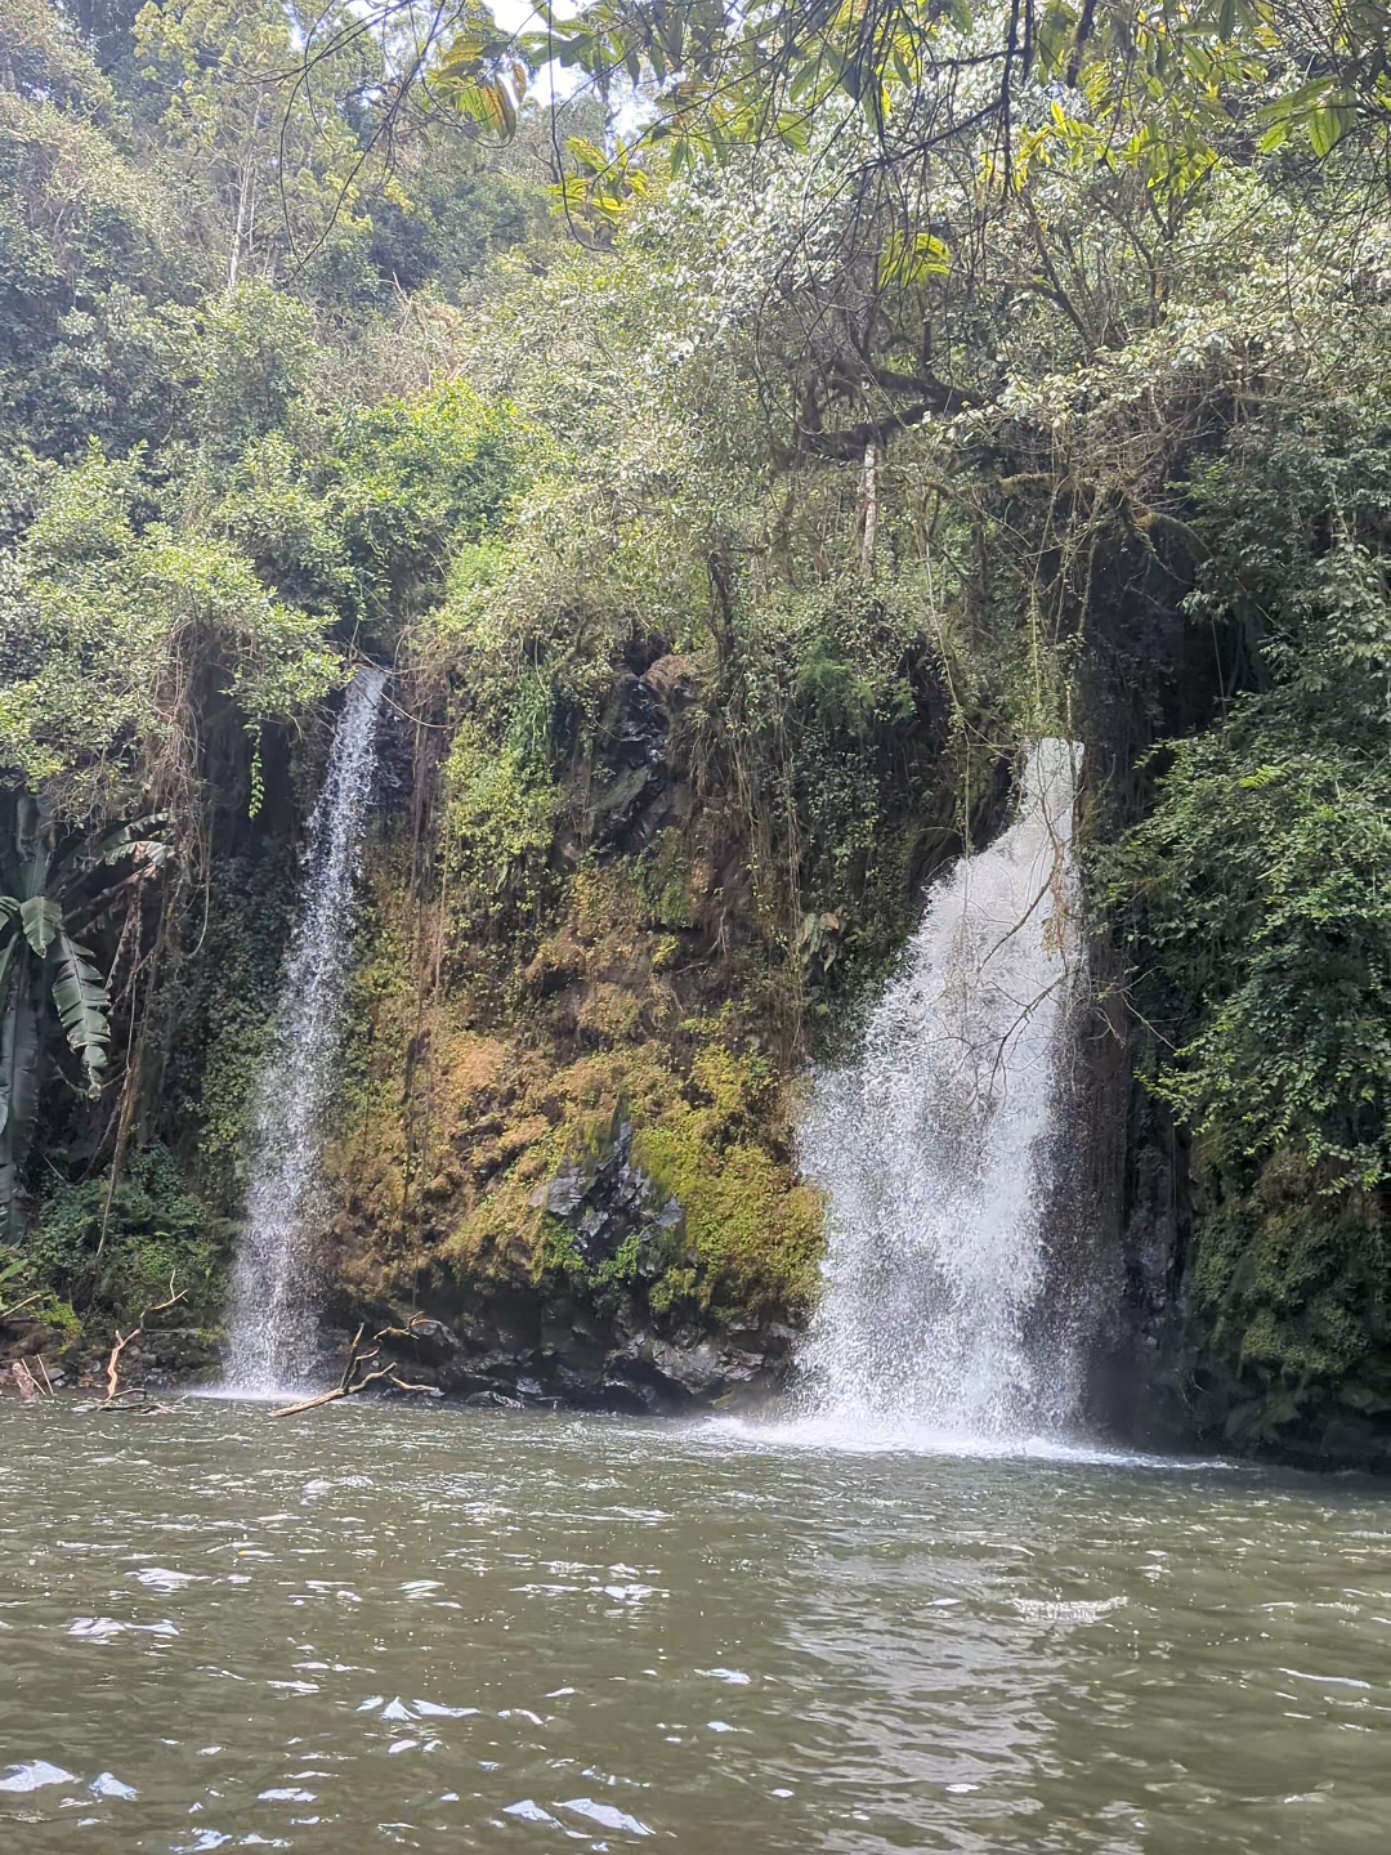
<point x="124" y="611"/>
<point x="481" y="75"/>
<point x="1165" y="86"/>
<point x="913" y="257"/>
<point x="1323" y="109"/>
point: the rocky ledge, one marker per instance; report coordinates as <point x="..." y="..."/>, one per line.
<point x="518" y="1353"/>
<point x="599" y="1328"/>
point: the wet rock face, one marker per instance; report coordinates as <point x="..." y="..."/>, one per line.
<point x="1180" y="1373"/>
<point x="635" y="792"/>
<point x="589" y="1336"/>
<point x="559" y="1356"/>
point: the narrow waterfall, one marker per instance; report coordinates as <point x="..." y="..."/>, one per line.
<point x="272" y="1326"/>
<point x="939" y="1146"/>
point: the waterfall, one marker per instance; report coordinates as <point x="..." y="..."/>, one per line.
<point x="939" y="1148"/>
<point x="272" y="1325"/>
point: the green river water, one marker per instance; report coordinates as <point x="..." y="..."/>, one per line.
<point x="429" y="1628"/>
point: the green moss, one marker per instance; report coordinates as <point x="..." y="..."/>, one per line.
<point x="755" y="1233"/>
<point x="666" y="884"/>
<point x="500" y="823"/>
<point x="620" y="1271"/>
<point x="556" y="1253"/>
<point x="463" y="1097"/>
<point x="676" y="1286"/>
<point x="59" y="1315"/>
<point x="221" y="1010"/>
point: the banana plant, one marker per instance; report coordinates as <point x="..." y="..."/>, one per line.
<point x="53" y="891"/>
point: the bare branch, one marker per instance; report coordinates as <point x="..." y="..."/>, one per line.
<point x="123" y="1340"/>
<point x="355" y="1379"/>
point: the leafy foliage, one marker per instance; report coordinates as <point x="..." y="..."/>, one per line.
<point x="1259" y="879"/>
<point x="122" y="616"/>
<point x="1256" y="896"/>
<point x="53" y="889"/>
<point x="118" y="1248"/>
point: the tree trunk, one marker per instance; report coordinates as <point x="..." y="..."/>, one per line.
<point x="869" y="510"/>
<point x="20" y="1039"/>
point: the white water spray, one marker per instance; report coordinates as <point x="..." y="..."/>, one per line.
<point x="937" y="1148"/>
<point x="272" y="1325"/>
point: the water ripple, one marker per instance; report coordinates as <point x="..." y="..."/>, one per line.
<point x="440" y="1630"/>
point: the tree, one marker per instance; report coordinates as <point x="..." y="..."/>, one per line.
<point x="266" y="153"/>
<point x="55" y="890"/>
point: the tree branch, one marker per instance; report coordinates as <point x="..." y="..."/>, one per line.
<point x="123" y="1340"/>
<point x="355" y="1380"/>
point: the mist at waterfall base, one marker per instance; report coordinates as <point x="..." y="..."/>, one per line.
<point x="941" y="1147"/>
<point x="272" y="1325"/>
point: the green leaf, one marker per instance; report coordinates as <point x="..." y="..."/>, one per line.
<point x="593" y="159"/>
<point x="1328" y="126"/>
<point x="912" y="258"/>
<point x="41" y="918"/>
<point x="80" y="994"/>
<point x="806" y="78"/>
<point x="19" y="1092"/>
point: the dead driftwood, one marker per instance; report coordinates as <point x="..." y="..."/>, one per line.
<point x="116" y="1397"/>
<point x="26" y="1384"/>
<point x="361" y="1371"/>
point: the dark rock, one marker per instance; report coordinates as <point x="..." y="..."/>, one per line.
<point x="434" y="1342"/>
<point x="567" y="1190"/>
<point x="572" y="1356"/>
<point x="22" y="1338"/>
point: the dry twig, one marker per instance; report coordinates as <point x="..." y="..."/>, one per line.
<point x="355" y="1379"/>
<point x="123" y="1340"/>
<point x="25" y="1382"/>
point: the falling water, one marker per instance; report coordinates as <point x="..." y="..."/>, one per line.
<point x="938" y="1148"/>
<point x="272" y="1327"/>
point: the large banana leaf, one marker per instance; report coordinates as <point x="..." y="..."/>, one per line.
<point x="89" y="881"/>
<point x="9" y="952"/>
<point x="79" y="992"/>
<point x="83" y="851"/>
<point x="41" y="918"/>
<point x="48" y="895"/>
<point x="8" y="907"/>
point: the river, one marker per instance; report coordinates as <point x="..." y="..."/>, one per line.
<point x="438" y="1629"/>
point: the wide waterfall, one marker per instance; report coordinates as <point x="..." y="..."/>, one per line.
<point x="940" y="1146"/>
<point x="272" y="1328"/>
